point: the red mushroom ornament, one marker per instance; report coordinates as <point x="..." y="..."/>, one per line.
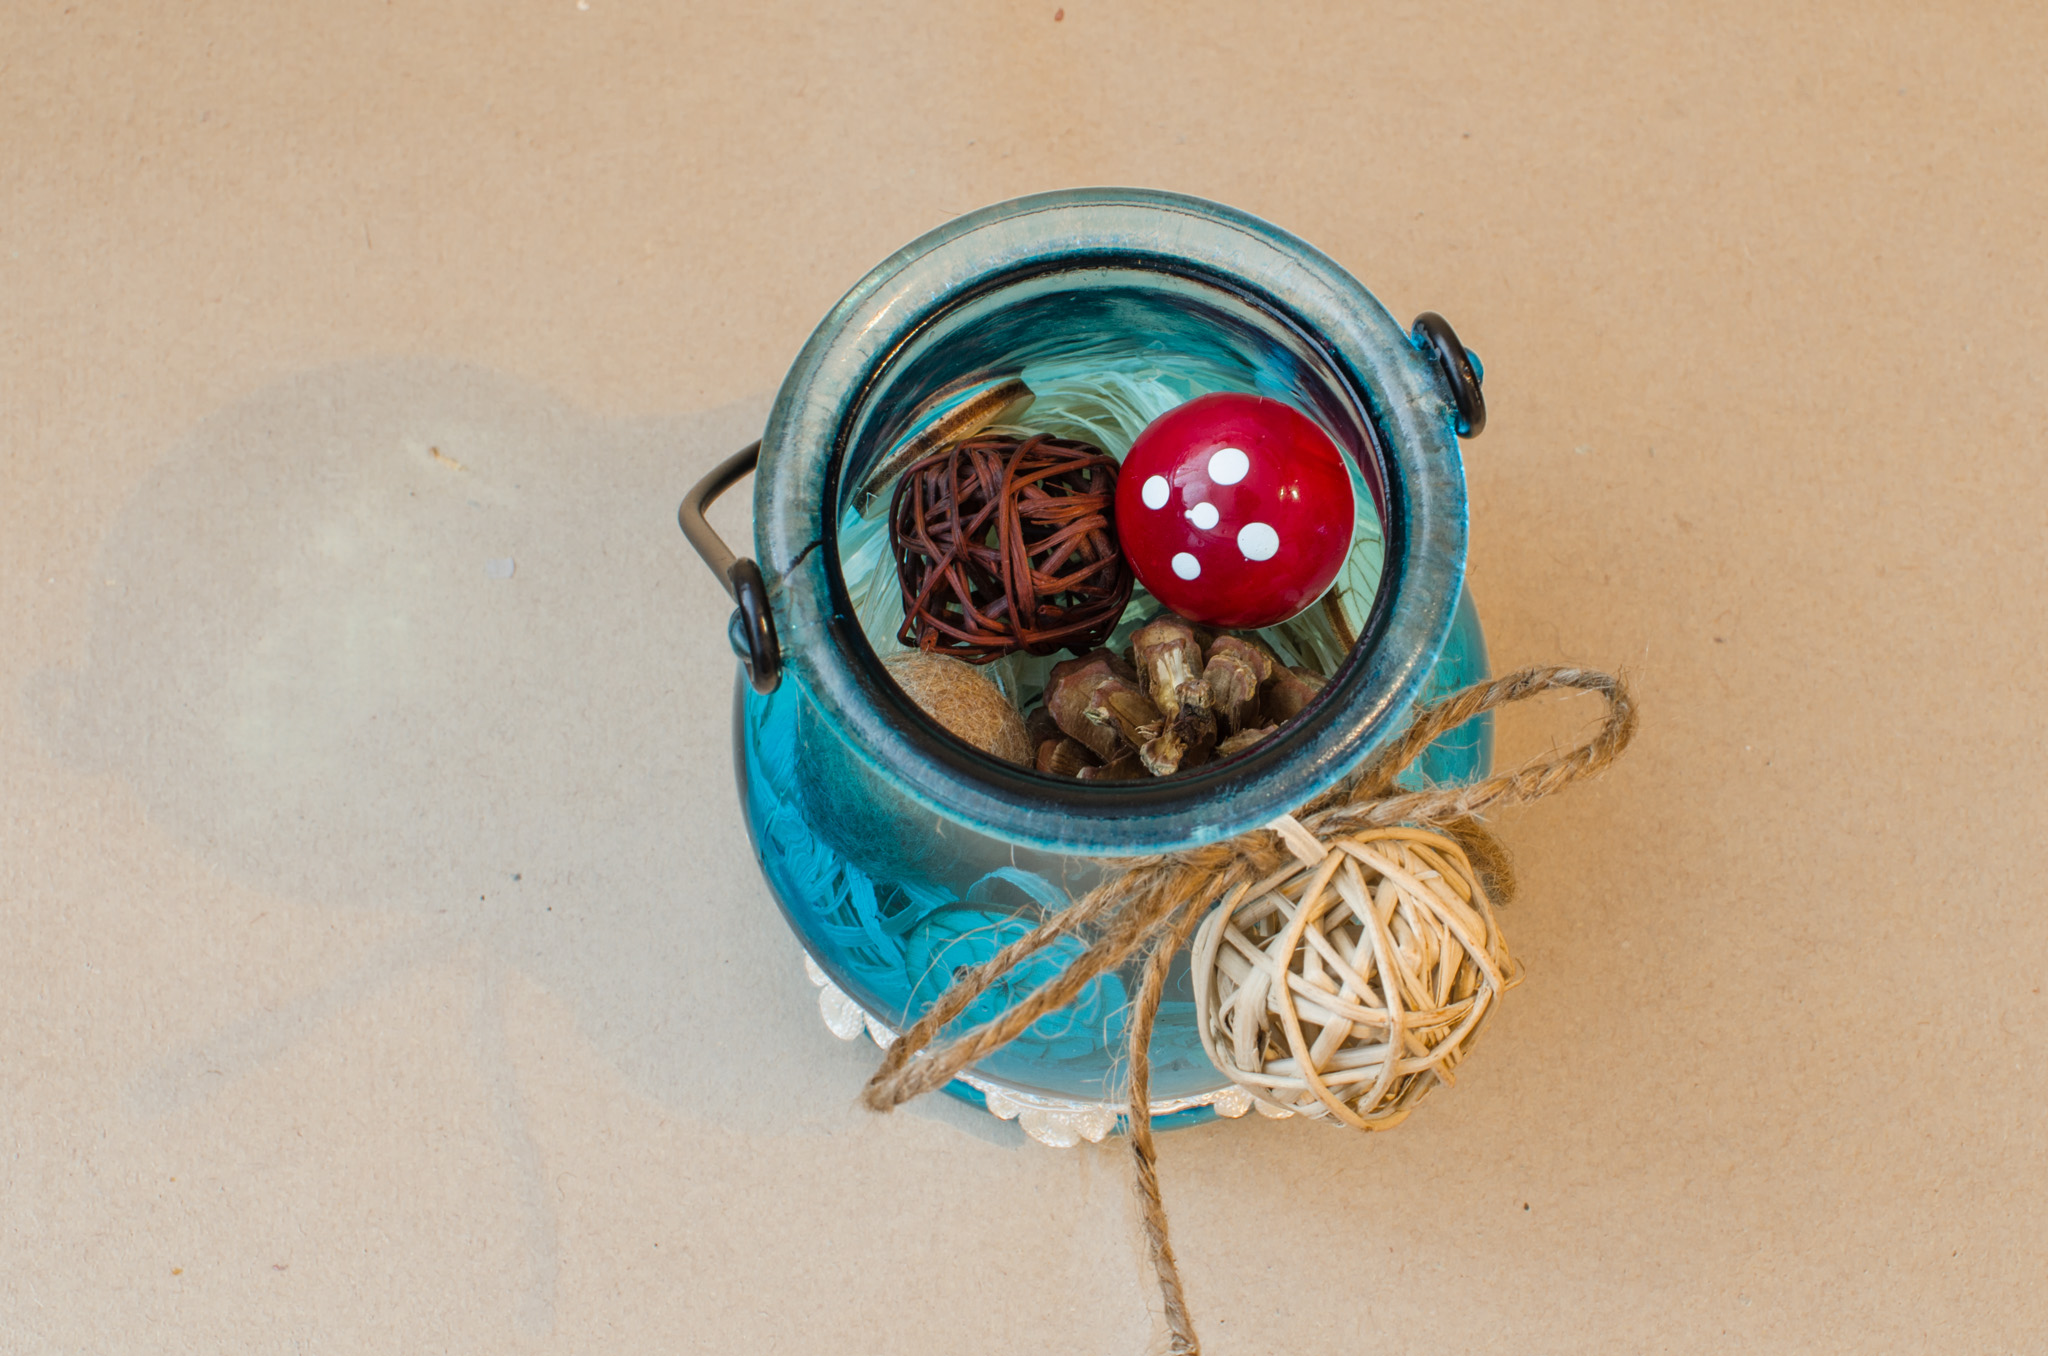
<point x="1234" y="510"/>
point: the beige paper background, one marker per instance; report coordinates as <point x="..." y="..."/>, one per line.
<point x="384" y="967"/>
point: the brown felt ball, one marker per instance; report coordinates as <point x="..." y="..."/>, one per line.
<point x="962" y="699"/>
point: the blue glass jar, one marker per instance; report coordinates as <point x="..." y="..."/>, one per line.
<point x="899" y="853"/>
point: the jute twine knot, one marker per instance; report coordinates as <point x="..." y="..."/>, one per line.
<point x="1344" y="956"/>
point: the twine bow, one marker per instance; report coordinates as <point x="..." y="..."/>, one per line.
<point x="1156" y="904"/>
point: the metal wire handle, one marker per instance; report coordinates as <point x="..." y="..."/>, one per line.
<point x="752" y="628"/>
<point x="1461" y="371"/>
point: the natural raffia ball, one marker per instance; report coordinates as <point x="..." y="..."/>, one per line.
<point x="1007" y="543"/>
<point x="1352" y="981"/>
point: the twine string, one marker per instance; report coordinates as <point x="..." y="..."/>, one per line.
<point x="1154" y="906"/>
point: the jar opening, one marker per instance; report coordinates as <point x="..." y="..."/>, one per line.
<point x="1165" y="331"/>
<point x="955" y="303"/>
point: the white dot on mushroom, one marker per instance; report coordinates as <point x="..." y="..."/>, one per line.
<point x="1204" y="516"/>
<point x="1229" y="466"/>
<point x="1154" y="492"/>
<point x="1258" y="541"/>
<point x="1186" y="566"/>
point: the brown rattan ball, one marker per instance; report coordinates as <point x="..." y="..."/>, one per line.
<point x="1007" y="543"/>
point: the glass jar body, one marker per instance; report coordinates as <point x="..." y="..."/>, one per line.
<point x="899" y="853"/>
<point x="888" y="897"/>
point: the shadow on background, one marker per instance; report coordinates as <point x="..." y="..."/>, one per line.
<point x="416" y="636"/>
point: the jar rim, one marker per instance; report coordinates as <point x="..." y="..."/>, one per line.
<point x="1412" y="423"/>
